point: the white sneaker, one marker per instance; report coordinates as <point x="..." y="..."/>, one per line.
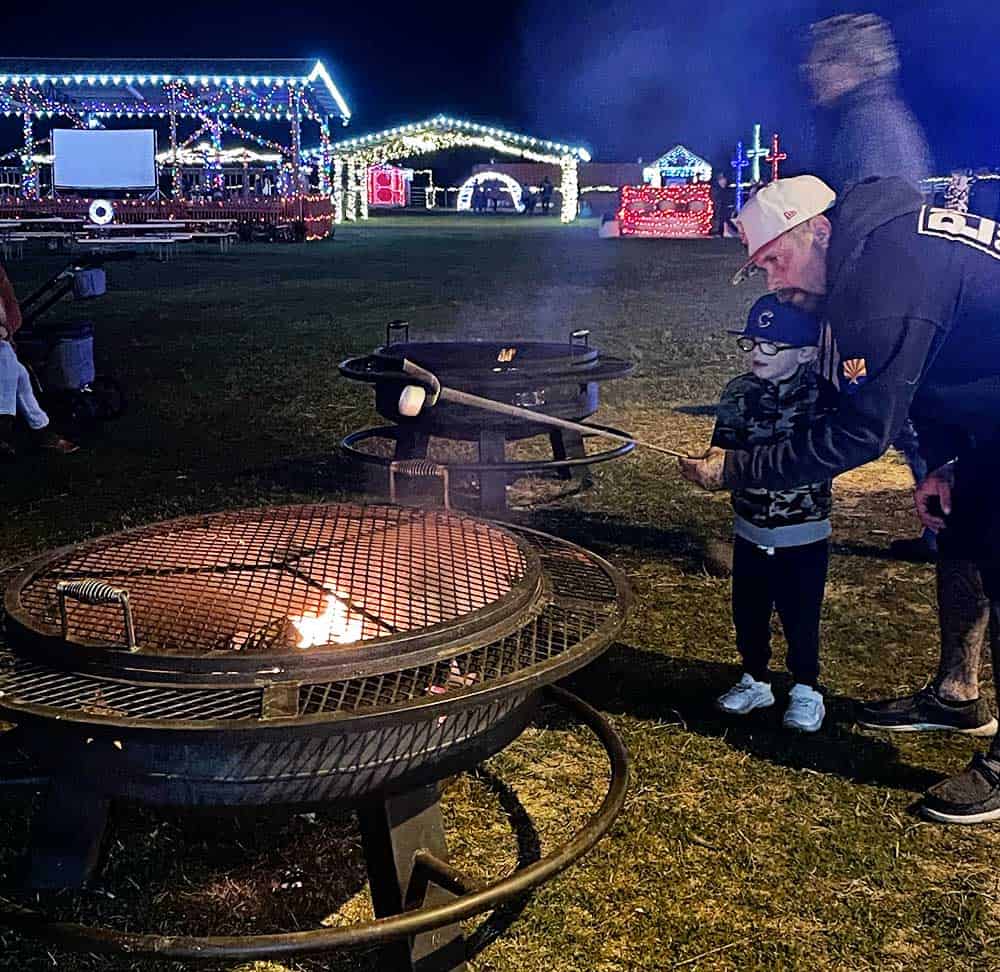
<point x="805" y="710"/>
<point x="745" y="696"/>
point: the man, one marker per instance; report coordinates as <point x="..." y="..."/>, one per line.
<point x="868" y="131"/>
<point x="851" y="68"/>
<point x="911" y="296"/>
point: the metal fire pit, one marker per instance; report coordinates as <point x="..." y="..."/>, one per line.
<point x="555" y="379"/>
<point x="336" y="652"/>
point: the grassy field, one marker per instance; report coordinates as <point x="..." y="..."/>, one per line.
<point x="741" y="846"/>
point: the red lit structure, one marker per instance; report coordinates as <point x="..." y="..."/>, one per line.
<point x="388" y="186"/>
<point x="666" y="211"/>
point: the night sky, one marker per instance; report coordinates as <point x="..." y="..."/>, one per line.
<point x="628" y="79"/>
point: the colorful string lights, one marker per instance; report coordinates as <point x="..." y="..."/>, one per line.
<point x="666" y="211"/>
<point x="442" y="133"/>
<point x="739" y="163"/>
<point x="755" y="154"/>
<point x="679" y="163"/>
<point x="775" y="156"/>
<point x="85" y="93"/>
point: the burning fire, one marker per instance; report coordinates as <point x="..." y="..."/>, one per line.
<point x="334" y="626"/>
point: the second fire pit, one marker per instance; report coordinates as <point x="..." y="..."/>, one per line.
<point x="560" y="380"/>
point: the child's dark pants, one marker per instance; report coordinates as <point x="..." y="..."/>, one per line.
<point x="792" y="579"/>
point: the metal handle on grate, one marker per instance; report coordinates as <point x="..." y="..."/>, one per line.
<point x="96" y="592"/>
<point x="580" y="338"/>
<point x="419" y="467"/>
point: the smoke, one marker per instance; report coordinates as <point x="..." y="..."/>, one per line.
<point x="634" y="78"/>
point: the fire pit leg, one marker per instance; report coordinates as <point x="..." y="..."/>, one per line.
<point x="569" y="445"/>
<point x="411" y="443"/>
<point x="392" y="832"/>
<point x="66" y="838"/>
<point x="492" y="483"/>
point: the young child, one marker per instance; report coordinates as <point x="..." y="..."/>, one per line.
<point x="781" y="546"/>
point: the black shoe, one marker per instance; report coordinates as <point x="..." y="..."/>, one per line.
<point x="971" y="797"/>
<point x="924" y="711"/>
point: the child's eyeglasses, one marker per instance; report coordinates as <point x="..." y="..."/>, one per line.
<point x="767" y="348"/>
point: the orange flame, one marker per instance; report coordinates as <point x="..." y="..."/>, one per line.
<point x="335" y="626"/>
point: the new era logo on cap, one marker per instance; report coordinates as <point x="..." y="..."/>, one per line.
<point x="779" y="207"/>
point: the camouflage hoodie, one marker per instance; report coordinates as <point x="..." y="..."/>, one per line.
<point x="755" y="412"/>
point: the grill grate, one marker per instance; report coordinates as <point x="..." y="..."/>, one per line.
<point x="25" y="683"/>
<point x="585" y="604"/>
<point x="552" y="633"/>
<point x="245" y="581"/>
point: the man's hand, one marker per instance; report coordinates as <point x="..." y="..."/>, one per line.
<point x="706" y="471"/>
<point x="933" y="497"/>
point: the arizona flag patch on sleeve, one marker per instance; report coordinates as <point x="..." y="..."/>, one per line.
<point x="855" y="372"/>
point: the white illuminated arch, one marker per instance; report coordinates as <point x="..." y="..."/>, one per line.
<point x="464" y="203"/>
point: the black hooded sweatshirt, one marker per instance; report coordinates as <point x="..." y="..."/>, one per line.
<point x="913" y="303"/>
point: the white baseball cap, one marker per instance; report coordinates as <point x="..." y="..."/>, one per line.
<point x="778" y="207"/>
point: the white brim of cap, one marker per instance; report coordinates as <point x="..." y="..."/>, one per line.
<point x="750" y="268"/>
<point x="745" y="272"/>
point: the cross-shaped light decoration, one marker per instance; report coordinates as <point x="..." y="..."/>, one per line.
<point x="775" y="156"/>
<point x="739" y="163"/>
<point x="755" y="154"/>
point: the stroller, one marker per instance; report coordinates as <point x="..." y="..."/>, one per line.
<point x="60" y="359"/>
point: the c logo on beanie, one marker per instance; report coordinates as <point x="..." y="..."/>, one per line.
<point x="765" y="319"/>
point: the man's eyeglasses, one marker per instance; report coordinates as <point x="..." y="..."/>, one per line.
<point x="767" y="348"/>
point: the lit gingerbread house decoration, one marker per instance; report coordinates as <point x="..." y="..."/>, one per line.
<point x="676" y="200"/>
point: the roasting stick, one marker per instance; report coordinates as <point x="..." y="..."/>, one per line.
<point x="411" y="401"/>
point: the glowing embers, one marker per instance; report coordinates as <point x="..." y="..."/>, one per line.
<point x="337" y="625"/>
<point x="669" y="211"/>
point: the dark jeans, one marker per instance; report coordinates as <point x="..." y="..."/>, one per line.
<point x="973" y="527"/>
<point x="792" y="579"/>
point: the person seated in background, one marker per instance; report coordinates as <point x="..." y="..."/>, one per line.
<point x="16" y="394"/>
<point x="781" y="549"/>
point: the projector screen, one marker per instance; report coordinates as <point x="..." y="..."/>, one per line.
<point x="104" y="160"/>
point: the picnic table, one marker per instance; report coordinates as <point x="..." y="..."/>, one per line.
<point x="15" y="233"/>
<point x="183" y="230"/>
<point x="30" y="222"/>
<point x="162" y="246"/>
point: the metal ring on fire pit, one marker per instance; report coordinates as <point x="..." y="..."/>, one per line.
<point x="472" y="901"/>
<point x="520" y="467"/>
